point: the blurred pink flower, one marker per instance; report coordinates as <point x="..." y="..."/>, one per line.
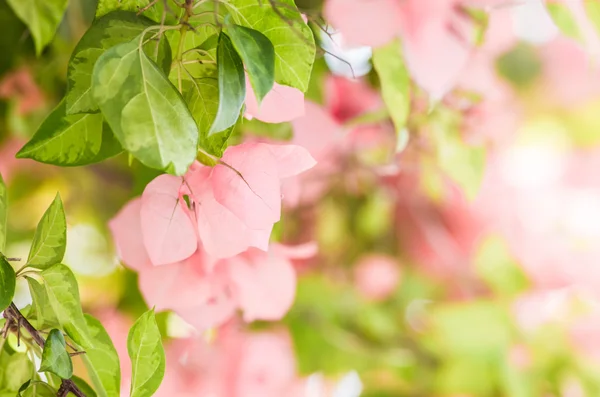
<point x="20" y="86"/>
<point x="376" y="276"/>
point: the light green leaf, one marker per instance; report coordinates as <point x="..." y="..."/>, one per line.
<point x="50" y="239"/>
<point x="63" y="297"/>
<point x="395" y="83"/>
<point x="3" y="213"/>
<point x="202" y="98"/>
<point x="145" y="111"/>
<point x="232" y="85"/>
<point x="75" y="140"/>
<point x="291" y="37"/>
<point x="564" y="20"/>
<point x="15" y="370"/>
<point x="42" y="17"/>
<point x="144" y="345"/>
<point x="38" y="389"/>
<point x="84" y="387"/>
<point x="101" y="360"/>
<point x="116" y="28"/>
<point x="258" y="55"/>
<point x="55" y="357"/>
<point x="42" y="315"/>
<point x="8" y="281"/>
<point x="154" y="12"/>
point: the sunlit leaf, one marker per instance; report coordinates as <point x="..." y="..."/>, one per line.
<point x="38" y="389"/>
<point x="50" y="239"/>
<point x="63" y="296"/>
<point x="291" y="37"/>
<point x="74" y="140"/>
<point x="55" y="357"/>
<point x="395" y="83"/>
<point x="101" y="360"/>
<point x="42" y="315"/>
<point x="42" y="17"/>
<point x="116" y="28"/>
<point x="145" y="111"/>
<point x="144" y="345"/>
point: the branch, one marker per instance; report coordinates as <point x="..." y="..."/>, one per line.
<point x="15" y="317"/>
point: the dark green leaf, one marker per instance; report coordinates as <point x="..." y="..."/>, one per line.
<point x="42" y="315"/>
<point x="116" y="28"/>
<point x="8" y="282"/>
<point x="145" y="111"/>
<point x="232" y="85"/>
<point x="258" y="55"/>
<point x="55" y="357"/>
<point x="101" y="360"/>
<point x="84" y="387"/>
<point x="3" y="213"/>
<point x="42" y="17"/>
<point x="50" y="239"/>
<point x="395" y="83"/>
<point x="63" y="297"/>
<point x="75" y="140"/>
<point x="291" y="37"/>
<point x="144" y="345"/>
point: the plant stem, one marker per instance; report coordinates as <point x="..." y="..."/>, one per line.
<point x="12" y="314"/>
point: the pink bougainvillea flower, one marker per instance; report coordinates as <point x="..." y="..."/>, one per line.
<point x="239" y="200"/>
<point x="126" y="229"/>
<point x="168" y="232"/>
<point x="20" y="85"/>
<point x="433" y="33"/>
<point x="281" y="104"/>
<point x="377" y="276"/>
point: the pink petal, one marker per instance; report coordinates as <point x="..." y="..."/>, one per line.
<point x="317" y="131"/>
<point x="223" y="235"/>
<point x="126" y="229"/>
<point x="365" y="22"/>
<point x="249" y="185"/>
<point x="218" y="308"/>
<point x="291" y="159"/>
<point x="265" y="283"/>
<point x="430" y="42"/>
<point x="300" y="251"/>
<point x="168" y="232"/>
<point x="346" y="98"/>
<point x="281" y="104"/>
<point x="175" y="286"/>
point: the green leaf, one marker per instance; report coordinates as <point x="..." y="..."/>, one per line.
<point x="154" y="12"/>
<point x="38" y="389"/>
<point x="116" y="28"/>
<point x="202" y="98"/>
<point x="15" y="370"/>
<point x="232" y="85"/>
<point x="42" y="17"/>
<point x="258" y="55"/>
<point x="145" y="111"/>
<point x="50" y="239"/>
<point x="395" y="83"/>
<point x="291" y="37"/>
<point x="3" y="213"/>
<point x="8" y="281"/>
<point x="55" y="357"/>
<point x="75" y="140"/>
<point x="144" y="345"/>
<point x="84" y="387"/>
<point x="101" y="360"/>
<point x="42" y="315"/>
<point x="63" y="297"/>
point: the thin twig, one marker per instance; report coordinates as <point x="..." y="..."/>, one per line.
<point x="14" y="316"/>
